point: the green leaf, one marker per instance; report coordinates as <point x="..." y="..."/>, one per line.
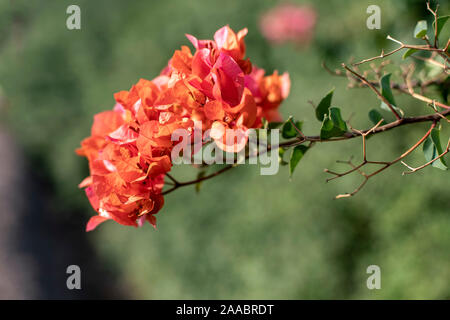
<point x="444" y="89"/>
<point x="376" y="117"/>
<point x="270" y="125"/>
<point x="335" y="114"/>
<point x="198" y="185"/>
<point x="333" y="125"/>
<point x="384" y="106"/>
<point x="288" y="131"/>
<point x="409" y="52"/>
<point x="385" y="84"/>
<point x="297" y="154"/>
<point x="421" y="29"/>
<point x="432" y="148"/>
<point x="324" y="105"/>
<point x="435" y="136"/>
<point x="440" y="23"/>
<point x="274" y="125"/>
<point x="327" y="128"/>
<point x="265" y="123"/>
<point x="281" y="152"/>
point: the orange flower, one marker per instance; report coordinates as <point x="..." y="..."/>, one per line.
<point x="129" y="148"/>
<point x="269" y="92"/>
<point x="231" y="43"/>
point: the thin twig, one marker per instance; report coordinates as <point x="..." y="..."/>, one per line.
<point x="384" y="167"/>
<point x="442" y="52"/>
<point x="425" y="99"/>
<point x="381" y="56"/>
<point x="412" y="170"/>
<point x="396" y="86"/>
<point x="296" y="129"/>
<point x="434" y="13"/>
<point x="187" y="183"/>
<point x="380" y="96"/>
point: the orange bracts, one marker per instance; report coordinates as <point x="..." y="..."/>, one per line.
<point x="129" y="148"/>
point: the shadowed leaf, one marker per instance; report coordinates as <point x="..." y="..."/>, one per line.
<point x="297" y="154"/>
<point x="421" y="29"/>
<point x="324" y="105"/>
<point x="432" y="148"/>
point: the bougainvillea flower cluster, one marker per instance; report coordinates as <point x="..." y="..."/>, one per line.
<point x="130" y="146"/>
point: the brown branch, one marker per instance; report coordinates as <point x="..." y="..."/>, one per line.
<point x="434" y="13"/>
<point x="381" y="56"/>
<point x="374" y="89"/>
<point x="406" y="88"/>
<point x="187" y="183"/>
<point x="442" y="52"/>
<point x="312" y="139"/>
<point x="433" y="106"/>
<point x="396" y="86"/>
<point x="412" y="170"/>
<point x="296" y="129"/>
<point x="384" y="167"/>
<point x="174" y="181"/>
<point x="364" y="162"/>
<point x="425" y="99"/>
<point x="431" y="61"/>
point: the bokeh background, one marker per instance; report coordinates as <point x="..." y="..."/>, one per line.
<point x="243" y="236"/>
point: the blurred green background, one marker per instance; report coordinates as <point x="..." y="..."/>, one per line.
<point x="244" y="236"/>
